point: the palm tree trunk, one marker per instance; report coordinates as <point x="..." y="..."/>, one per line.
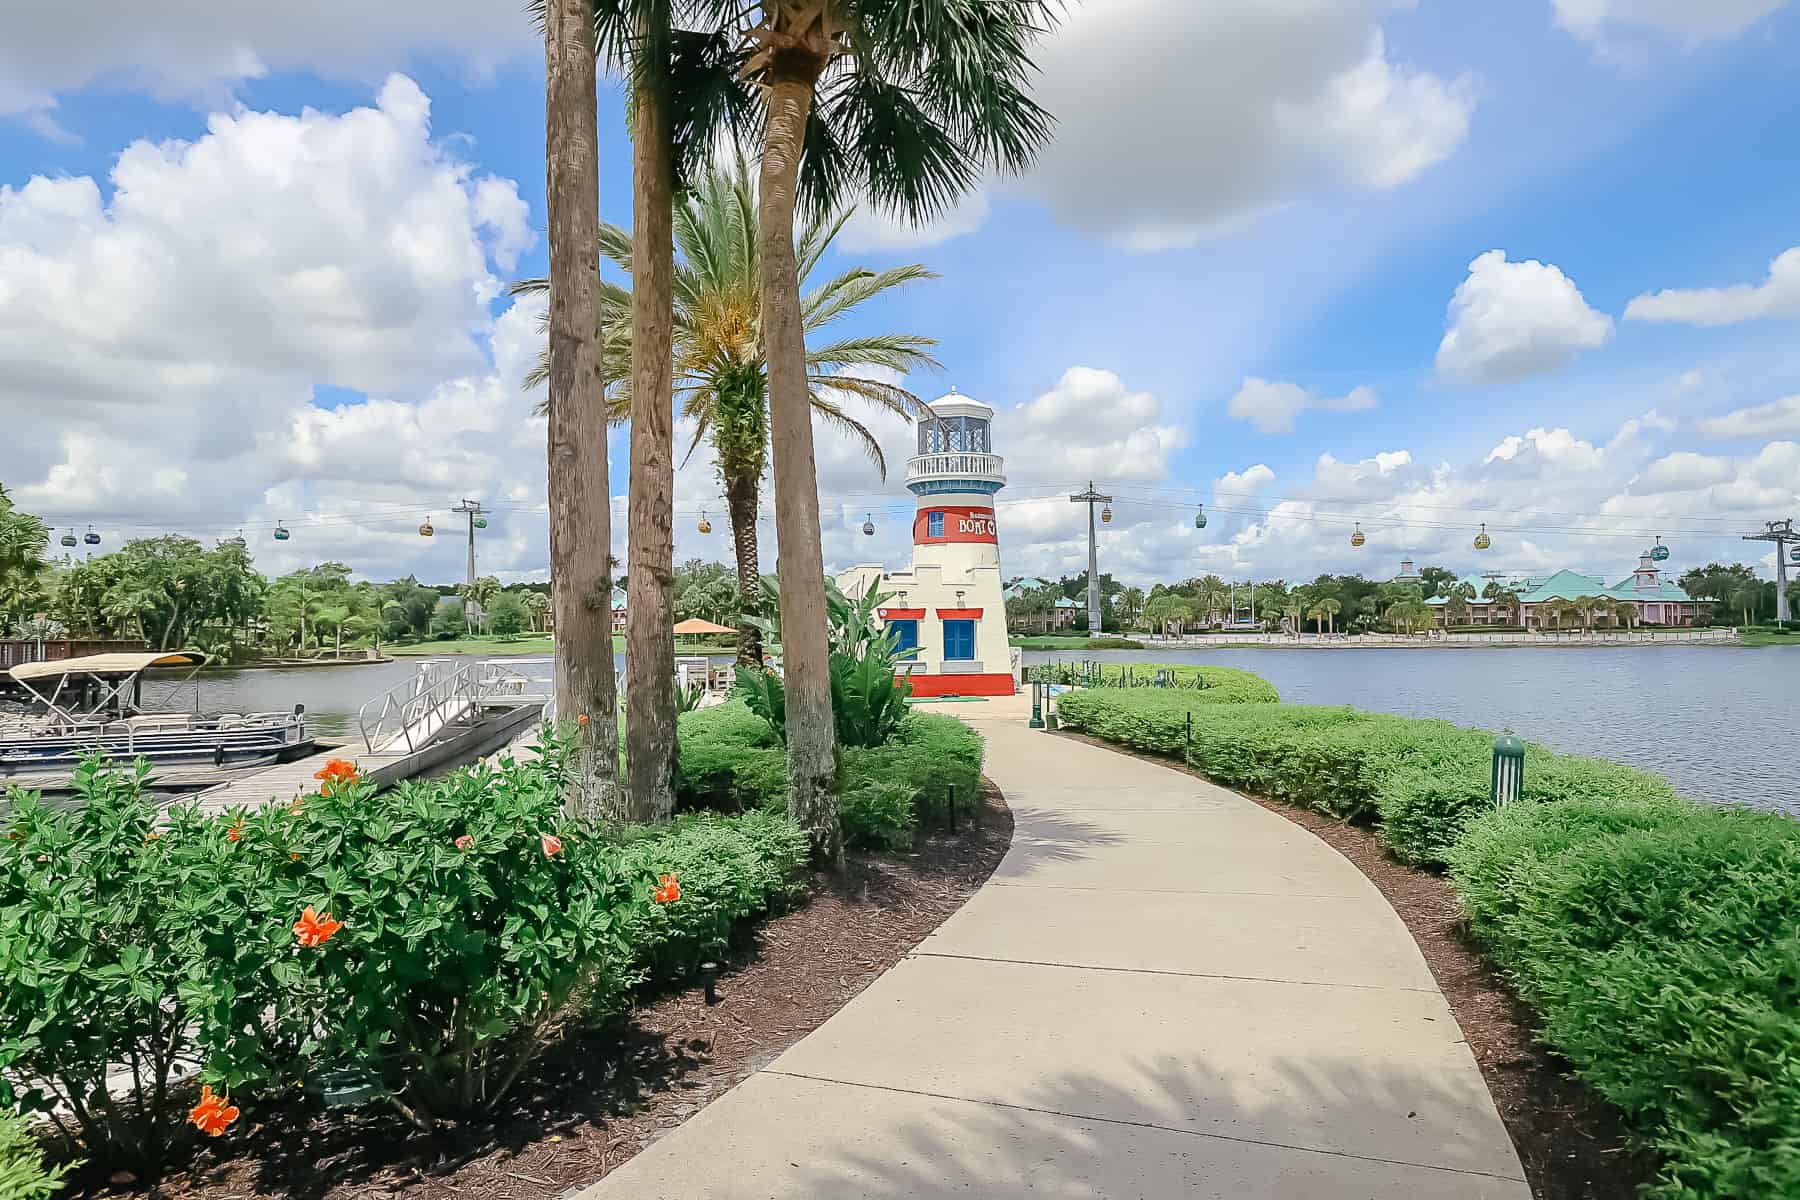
<point x="650" y="559"/>
<point x="740" y="503"/>
<point x="811" y="740"/>
<point x="580" y="503"/>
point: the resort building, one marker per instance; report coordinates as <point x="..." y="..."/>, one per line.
<point x="1061" y="615"/>
<point x="1644" y="597"/>
<point x="948" y="603"/>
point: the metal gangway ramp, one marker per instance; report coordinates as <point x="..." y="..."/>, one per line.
<point x="447" y="709"/>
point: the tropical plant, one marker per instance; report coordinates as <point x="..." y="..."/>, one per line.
<point x="508" y="617"/>
<point x="868" y="699"/>
<point x="23" y="540"/>
<point x="537" y="604"/>
<point x="23" y="1175"/>
<point x="904" y="107"/>
<point x="721" y="376"/>
<point x="1625" y="612"/>
<point x="162" y="589"/>
<point x="1747" y="599"/>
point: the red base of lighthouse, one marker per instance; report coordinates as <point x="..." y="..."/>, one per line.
<point x="962" y="685"/>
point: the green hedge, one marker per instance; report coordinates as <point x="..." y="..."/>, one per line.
<point x="471" y="919"/>
<point x="1423" y="780"/>
<point x="1660" y="942"/>
<point x="731" y="759"/>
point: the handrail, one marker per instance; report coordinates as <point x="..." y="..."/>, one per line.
<point x="432" y="694"/>
<point x="955" y="462"/>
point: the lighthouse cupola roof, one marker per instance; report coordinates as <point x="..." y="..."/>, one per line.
<point x="955" y="404"/>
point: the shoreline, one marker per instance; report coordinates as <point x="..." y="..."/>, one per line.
<point x="1510" y="642"/>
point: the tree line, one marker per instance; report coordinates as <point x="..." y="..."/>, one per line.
<point x="1731" y="593"/>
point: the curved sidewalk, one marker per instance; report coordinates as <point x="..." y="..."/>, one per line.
<point x="1164" y="991"/>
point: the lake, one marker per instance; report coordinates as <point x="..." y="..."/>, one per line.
<point x="1718" y="721"/>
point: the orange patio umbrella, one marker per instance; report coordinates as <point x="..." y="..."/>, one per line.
<point x="695" y="625"/>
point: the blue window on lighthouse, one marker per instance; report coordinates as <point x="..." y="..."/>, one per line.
<point x="906" y="635"/>
<point x="934" y="524"/>
<point x="959" y="640"/>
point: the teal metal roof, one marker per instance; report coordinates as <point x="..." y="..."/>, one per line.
<point x="1572" y="585"/>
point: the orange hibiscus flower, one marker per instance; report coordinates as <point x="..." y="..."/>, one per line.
<point x="338" y="770"/>
<point x="235" y="832"/>
<point x="551" y="843"/>
<point x="214" y="1114"/>
<point x="464" y="842"/>
<point x="315" y="928"/>
<point x="668" y="890"/>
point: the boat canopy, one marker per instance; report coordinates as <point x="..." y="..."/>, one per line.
<point x="108" y="666"/>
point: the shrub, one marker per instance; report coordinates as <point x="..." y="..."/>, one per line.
<point x="427" y="943"/>
<point x="92" y="963"/>
<point x="728" y="869"/>
<point x="23" y="1175"/>
<point x="1424" y="780"/>
<point x="1658" y="941"/>
<point x="730" y="759"/>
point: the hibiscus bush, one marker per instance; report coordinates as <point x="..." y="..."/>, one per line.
<point x="92" y="967"/>
<point x="426" y="944"/>
<point x="420" y="947"/>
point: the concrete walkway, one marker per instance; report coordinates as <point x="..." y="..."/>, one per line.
<point x="1164" y="991"/>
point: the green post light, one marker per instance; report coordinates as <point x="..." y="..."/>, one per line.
<point x="1037" y="705"/>
<point x="1049" y="710"/>
<point x="1509" y="768"/>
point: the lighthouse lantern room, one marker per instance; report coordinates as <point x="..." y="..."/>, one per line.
<point x="949" y="604"/>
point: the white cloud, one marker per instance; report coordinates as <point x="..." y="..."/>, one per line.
<point x="197" y="51"/>
<point x="1777" y="296"/>
<point x="1272" y="406"/>
<point x="870" y="230"/>
<point x="1684" y="471"/>
<point x="1251" y="481"/>
<point x="159" y="350"/>
<point x="1763" y="420"/>
<point x="1686" y="20"/>
<point x="1513" y="319"/>
<point x="1091" y="424"/>
<point x="1223" y="112"/>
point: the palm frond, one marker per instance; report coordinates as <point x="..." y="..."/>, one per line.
<point x="903" y="352"/>
<point x="835" y="416"/>
<point x="852" y="288"/>
<point x="888" y="397"/>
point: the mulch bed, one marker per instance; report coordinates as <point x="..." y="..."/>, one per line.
<point x="1571" y="1143"/>
<point x="603" y="1096"/>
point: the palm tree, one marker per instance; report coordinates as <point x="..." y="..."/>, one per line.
<point x="1747" y="600"/>
<point x="1625" y="612"/>
<point x="1293" y="612"/>
<point x="907" y="105"/>
<point x="579" y="497"/>
<point x="1456" y="607"/>
<point x="1316" y="614"/>
<point x="536" y="603"/>
<point x="23" y="540"/>
<point x="721" y="375"/>
<point x="1330" y="608"/>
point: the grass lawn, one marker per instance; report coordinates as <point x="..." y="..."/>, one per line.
<point x="1769" y="637"/>
<point x="1082" y="642"/>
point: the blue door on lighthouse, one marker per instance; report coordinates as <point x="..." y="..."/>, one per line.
<point x="959" y="641"/>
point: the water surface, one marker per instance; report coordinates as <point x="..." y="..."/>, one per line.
<point x="1719" y="721"/>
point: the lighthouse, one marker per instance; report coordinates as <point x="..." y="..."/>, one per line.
<point x="948" y="604"/>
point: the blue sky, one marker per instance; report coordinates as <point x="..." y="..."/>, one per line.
<point x="257" y="263"/>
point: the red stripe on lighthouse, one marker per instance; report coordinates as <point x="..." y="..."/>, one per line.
<point x="962" y="523"/>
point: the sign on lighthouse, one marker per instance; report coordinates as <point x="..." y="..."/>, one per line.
<point x="948" y="604"/>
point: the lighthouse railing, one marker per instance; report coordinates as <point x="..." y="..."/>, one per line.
<point x="932" y="466"/>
